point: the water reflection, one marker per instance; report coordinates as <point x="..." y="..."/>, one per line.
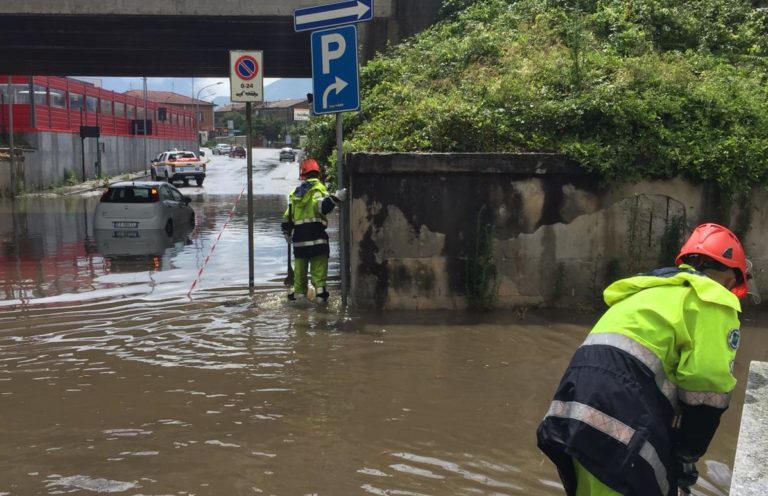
<point x="50" y="253"/>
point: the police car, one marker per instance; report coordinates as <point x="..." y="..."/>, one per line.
<point x="175" y="165"/>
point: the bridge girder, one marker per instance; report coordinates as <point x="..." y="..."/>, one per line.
<point x="44" y="42"/>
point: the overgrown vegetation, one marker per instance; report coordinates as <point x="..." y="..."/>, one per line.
<point x="671" y="240"/>
<point x="269" y="126"/>
<point x="482" y="285"/>
<point x="641" y="89"/>
<point x="69" y="177"/>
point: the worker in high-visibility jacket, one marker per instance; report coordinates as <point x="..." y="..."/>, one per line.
<point x="304" y="224"/>
<point x="643" y="395"/>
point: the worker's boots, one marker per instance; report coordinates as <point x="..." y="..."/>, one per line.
<point x="322" y="295"/>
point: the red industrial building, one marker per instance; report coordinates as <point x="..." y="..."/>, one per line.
<point x="54" y="118"/>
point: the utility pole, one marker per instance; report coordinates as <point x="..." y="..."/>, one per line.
<point x="198" y="117"/>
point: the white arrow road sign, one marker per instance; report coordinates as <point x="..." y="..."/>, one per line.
<point x="339" y="85"/>
<point x="334" y="14"/>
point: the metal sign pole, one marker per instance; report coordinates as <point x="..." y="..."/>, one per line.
<point x="340" y="182"/>
<point x="249" y="162"/>
<point x="146" y="110"/>
<point x="246" y="84"/>
<point x="10" y="139"/>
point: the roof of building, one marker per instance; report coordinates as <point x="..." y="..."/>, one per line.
<point x="232" y="107"/>
<point x="277" y="104"/>
<point x="284" y="103"/>
<point x="168" y="97"/>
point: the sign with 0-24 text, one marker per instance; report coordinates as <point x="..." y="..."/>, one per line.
<point x="335" y="81"/>
<point x="246" y="76"/>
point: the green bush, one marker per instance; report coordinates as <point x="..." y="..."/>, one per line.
<point x="69" y="177"/>
<point x="642" y="89"/>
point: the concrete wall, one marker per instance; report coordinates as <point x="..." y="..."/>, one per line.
<point x="750" y="467"/>
<point x="558" y="236"/>
<point x="52" y="153"/>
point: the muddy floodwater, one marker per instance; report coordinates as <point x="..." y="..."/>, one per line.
<point x="144" y="366"/>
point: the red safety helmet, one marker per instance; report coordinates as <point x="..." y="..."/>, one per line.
<point x="309" y="165"/>
<point x="721" y="245"/>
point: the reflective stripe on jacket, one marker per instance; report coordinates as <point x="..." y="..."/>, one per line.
<point x="664" y="347"/>
<point x="305" y="218"/>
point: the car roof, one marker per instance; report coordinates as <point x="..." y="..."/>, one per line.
<point x="137" y="184"/>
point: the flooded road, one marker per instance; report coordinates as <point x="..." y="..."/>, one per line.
<point x="115" y="378"/>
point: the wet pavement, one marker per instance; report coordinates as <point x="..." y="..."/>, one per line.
<point x="117" y="377"/>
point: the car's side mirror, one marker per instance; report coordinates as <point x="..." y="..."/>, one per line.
<point x="187" y="200"/>
<point x="154" y="160"/>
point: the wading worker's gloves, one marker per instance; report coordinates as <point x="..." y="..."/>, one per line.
<point x="339" y="196"/>
<point x="687" y="475"/>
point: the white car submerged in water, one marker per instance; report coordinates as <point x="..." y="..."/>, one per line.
<point x="130" y="206"/>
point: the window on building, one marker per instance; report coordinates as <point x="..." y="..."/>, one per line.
<point x="21" y="93"/>
<point x="140" y="113"/>
<point x="91" y="103"/>
<point x="75" y="101"/>
<point x="119" y="109"/>
<point x="106" y="107"/>
<point x="41" y="95"/>
<point x="130" y="111"/>
<point x="57" y="98"/>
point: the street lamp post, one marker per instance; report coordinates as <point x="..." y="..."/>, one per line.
<point x="197" y="112"/>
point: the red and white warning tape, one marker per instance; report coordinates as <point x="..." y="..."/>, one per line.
<point x="213" y="247"/>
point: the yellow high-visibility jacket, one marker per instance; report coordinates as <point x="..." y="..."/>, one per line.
<point x="663" y="351"/>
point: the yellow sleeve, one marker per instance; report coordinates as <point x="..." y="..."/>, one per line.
<point x="706" y="346"/>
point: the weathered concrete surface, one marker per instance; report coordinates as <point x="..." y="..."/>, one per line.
<point x="51" y="154"/>
<point x="559" y="237"/>
<point x="179" y="38"/>
<point x="750" y="468"/>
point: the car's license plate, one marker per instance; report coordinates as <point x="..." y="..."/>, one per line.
<point x="125" y="225"/>
<point x="125" y="234"/>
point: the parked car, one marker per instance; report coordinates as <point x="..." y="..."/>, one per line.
<point x="132" y="206"/>
<point x="237" y="152"/>
<point x="175" y="165"/>
<point x="288" y="154"/>
<point x="222" y="149"/>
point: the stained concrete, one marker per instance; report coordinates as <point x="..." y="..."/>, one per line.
<point x="559" y="235"/>
<point x="750" y="469"/>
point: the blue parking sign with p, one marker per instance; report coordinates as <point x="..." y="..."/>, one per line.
<point x="335" y="80"/>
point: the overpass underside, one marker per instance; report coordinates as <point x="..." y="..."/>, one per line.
<point x="171" y="45"/>
<point x="148" y="45"/>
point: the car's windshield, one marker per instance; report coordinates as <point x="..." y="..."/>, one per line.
<point x="129" y="195"/>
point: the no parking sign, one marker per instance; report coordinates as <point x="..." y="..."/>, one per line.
<point x="246" y="76"/>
